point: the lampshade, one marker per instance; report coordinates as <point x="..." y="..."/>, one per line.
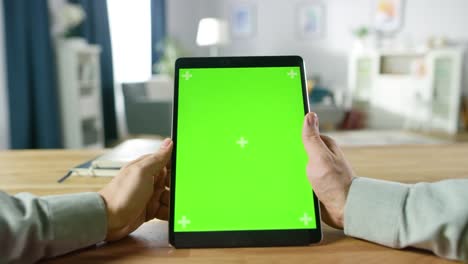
<point x="212" y="31"/>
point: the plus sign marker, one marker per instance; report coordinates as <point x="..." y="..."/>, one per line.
<point x="187" y="75"/>
<point x="240" y="151"/>
<point x="184" y="222"/>
<point x="242" y="142"/>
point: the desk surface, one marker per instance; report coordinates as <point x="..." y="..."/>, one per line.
<point x="37" y="172"/>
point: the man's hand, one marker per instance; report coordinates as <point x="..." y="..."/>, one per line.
<point x="328" y="172"/>
<point x="138" y="193"/>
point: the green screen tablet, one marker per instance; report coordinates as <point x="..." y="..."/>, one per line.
<point x="238" y="176"/>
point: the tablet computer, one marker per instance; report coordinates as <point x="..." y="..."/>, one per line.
<point x="238" y="173"/>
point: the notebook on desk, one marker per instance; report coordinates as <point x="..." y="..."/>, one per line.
<point x="109" y="164"/>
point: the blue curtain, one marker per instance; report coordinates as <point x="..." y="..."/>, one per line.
<point x="158" y="26"/>
<point x="32" y="91"/>
<point x="95" y="29"/>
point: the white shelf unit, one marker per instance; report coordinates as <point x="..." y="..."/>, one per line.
<point x="79" y="81"/>
<point x="421" y="87"/>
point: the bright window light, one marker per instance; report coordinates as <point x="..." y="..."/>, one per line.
<point x="130" y="28"/>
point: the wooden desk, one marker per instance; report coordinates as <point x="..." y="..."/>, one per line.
<point x="38" y="171"/>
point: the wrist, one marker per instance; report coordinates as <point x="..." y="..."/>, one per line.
<point x="110" y="225"/>
<point x="341" y="219"/>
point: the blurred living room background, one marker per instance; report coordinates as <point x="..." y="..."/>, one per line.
<point x="92" y="73"/>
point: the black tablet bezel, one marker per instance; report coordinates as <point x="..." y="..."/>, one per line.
<point x="247" y="238"/>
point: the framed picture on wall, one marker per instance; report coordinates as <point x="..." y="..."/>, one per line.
<point x="311" y="20"/>
<point x="243" y="20"/>
<point x="388" y="15"/>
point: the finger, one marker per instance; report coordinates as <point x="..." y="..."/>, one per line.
<point x="154" y="163"/>
<point x="154" y="203"/>
<point x="167" y="181"/>
<point x="158" y="181"/>
<point x="163" y="173"/>
<point x="162" y="213"/>
<point x="150" y="213"/>
<point x="169" y="174"/>
<point x="169" y="165"/>
<point x="331" y="144"/>
<point x="151" y="208"/>
<point x="311" y="136"/>
<point x="159" y="188"/>
<point x="165" y="196"/>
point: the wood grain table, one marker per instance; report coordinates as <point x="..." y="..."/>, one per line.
<point x="37" y="172"/>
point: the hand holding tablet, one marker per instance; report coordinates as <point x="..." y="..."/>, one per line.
<point x="244" y="116"/>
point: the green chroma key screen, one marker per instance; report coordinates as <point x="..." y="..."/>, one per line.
<point x="240" y="162"/>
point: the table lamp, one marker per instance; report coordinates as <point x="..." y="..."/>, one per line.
<point x="212" y="32"/>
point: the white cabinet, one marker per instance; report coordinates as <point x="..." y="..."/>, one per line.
<point x="446" y="81"/>
<point x="79" y="86"/>
<point x="362" y="72"/>
<point x="422" y="88"/>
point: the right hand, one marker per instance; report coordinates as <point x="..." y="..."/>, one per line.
<point x="328" y="171"/>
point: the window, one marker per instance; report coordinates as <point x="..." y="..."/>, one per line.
<point x="130" y="28"/>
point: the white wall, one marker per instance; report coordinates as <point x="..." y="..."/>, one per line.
<point x="276" y="29"/>
<point x="277" y="34"/>
<point x="4" y="121"/>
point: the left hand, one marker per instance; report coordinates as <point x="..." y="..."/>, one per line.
<point x="138" y="193"/>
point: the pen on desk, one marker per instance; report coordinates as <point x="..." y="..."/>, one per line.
<point x="65" y="177"/>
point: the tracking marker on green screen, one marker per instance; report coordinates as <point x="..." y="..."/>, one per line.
<point x="241" y="155"/>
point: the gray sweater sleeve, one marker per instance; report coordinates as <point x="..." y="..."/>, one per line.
<point x="32" y="228"/>
<point x="431" y="216"/>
